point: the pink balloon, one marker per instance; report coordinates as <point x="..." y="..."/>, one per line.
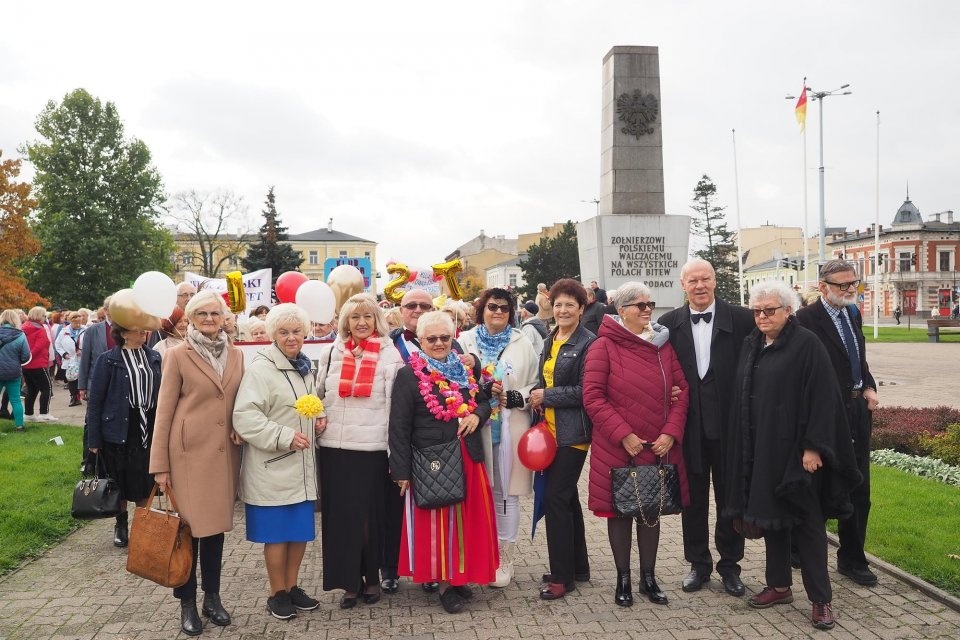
<point x="537" y="447"/>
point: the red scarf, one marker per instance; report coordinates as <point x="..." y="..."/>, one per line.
<point x="369" y="349"/>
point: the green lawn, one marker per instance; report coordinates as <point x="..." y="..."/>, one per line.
<point x="36" y="487"/>
<point x="916" y="333"/>
<point x="913" y="524"/>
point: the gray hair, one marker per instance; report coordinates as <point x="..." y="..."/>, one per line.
<point x="831" y="267"/>
<point x="361" y="302"/>
<point x="202" y="299"/>
<point x="432" y="319"/>
<point x="775" y="289"/>
<point x="285" y="314"/>
<point x="630" y="291"/>
<point x="694" y="263"/>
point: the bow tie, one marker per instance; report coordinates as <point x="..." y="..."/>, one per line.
<point x="409" y="336"/>
<point x="697" y="317"/>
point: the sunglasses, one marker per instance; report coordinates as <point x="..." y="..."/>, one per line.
<point x="844" y="286"/>
<point x="642" y="306"/>
<point x="769" y="311"/>
<point x="502" y="308"/>
<point x="435" y="339"/>
<point x="413" y="306"/>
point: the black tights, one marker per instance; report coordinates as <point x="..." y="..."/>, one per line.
<point x="620" y="532"/>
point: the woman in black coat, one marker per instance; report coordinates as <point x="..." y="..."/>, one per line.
<point x="790" y="461"/>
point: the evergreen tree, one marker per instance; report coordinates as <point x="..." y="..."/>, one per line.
<point x="272" y="251"/>
<point x="551" y="259"/>
<point x="721" y="249"/>
<point x="99" y="204"/>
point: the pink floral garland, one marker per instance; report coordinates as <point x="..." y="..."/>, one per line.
<point x="455" y="406"/>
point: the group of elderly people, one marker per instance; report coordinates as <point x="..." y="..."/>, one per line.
<point x="619" y="396"/>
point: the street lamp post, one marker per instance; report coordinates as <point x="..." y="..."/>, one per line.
<point x="820" y="95"/>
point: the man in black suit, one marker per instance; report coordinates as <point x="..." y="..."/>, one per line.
<point x="838" y="323"/>
<point x="707" y="335"/>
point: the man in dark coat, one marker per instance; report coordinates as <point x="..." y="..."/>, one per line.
<point x="837" y="321"/>
<point x="707" y="335"/>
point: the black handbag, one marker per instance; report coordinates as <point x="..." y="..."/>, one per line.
<point x="646" y="491"/>
<point x="438" y="479"/>
<point x="96" y="497"/>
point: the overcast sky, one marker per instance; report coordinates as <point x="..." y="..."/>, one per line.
<point x="417" y="124"/>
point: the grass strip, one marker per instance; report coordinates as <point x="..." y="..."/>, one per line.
<point x="916" y="333"/>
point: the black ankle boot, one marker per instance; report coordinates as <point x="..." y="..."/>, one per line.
<point x="189" y="618"/>
<point x="213" y="609"/>
<point x="624" y="594"/>
<point x="120" y="538"/>
<point x="649" y="586"/>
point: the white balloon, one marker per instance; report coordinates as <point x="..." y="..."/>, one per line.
<point x="317" y="299"/>
<point x="155" y="293"/>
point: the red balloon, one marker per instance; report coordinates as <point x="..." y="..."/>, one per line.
<point x="537" y="447"/>
<point x="287" y="285"/>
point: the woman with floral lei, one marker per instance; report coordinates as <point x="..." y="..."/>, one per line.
<point x="355" y="380"/>
<point x="509" y="372"/>
<point x="436" y="399"/>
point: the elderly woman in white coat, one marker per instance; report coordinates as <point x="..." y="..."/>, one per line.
<point x="510" y="370"/>
<point x="355" y="380"/>
<point x="278" y="476"/>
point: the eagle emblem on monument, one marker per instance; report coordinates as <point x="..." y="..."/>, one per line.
<point x="638" y="112"/>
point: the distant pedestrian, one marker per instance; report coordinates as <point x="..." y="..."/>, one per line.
<point x="896" y="314"/>
<point x="598" y="293"/>
<point x="545" y="312"/>
<point x="37" y="371"/>
<point x="14" y="353"/>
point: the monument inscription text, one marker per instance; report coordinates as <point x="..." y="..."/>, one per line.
<point x="645" y="257"/>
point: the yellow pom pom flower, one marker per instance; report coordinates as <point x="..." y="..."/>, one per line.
<point x="308" y="406"/>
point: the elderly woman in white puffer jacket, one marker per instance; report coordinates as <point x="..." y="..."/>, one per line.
<point x="355" y="381"/>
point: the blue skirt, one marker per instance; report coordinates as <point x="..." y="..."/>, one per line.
<point x="283" y="523"/>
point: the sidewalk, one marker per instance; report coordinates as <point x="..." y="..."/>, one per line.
<point x="80" y="589"/>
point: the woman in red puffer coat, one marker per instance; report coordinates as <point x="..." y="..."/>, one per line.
<point x="629" y="372"/>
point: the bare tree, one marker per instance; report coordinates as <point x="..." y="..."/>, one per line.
<point x="206" y="218"/>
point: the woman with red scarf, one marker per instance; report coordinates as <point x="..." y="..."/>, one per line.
<point x="355" y="381"/>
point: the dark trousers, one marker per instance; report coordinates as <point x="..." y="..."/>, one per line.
<point x="393" y="521"/>
<point x="566" y="539"/>
<point x="695" y="517"/>
<point x="210" y="552"/>
<point x="810" y="539"/>
<point x="853" y="530"/>
<point x="38" y="383"/>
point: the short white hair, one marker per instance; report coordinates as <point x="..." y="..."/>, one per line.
<point x="286" y="314"/>
<point x="693" y="263"/>
<point x="630" y="291"/>
<point x="433" y="319"/>
<point x="202" y="299"/>
<point x="775" y="289"/>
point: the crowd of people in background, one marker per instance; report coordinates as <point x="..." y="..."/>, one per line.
<point x="768" y="404"/>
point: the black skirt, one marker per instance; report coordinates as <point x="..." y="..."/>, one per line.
<point x="352" y="516"/>
<point x="129" y="463"/>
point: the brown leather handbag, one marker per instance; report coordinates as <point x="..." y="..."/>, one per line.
<point x="161" y="545"/>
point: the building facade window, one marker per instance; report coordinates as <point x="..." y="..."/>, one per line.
<point x="343" y="254"/>
<point x="905" y="261"/>
<point x="186" y="259"/>
<point x="314" y="257"/>
<point x="513" y="280"/>
<point x="945" y="261"/>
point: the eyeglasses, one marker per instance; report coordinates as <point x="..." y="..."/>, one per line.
<point x="413" y="306"/>
<point x="435" y="339"/>
<point x="641" y="306"/>
<point x="844" y="286"/>
<point x="493" y="307"/>
<point x="769" y="311"/>
<point x="203" y="315"/>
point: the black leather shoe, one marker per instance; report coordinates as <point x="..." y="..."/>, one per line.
<point x="624" y="593"/>
<point x="372" y="597"/>
<point x="547" y="578"/>
<point x="648" y="584"/>
<point x="121" y="539"/>
<point x="430" y="587"/>
<point x="732" y="584"/>
<point x="695" y="580"/>
<point x="213" y="609"/>
<point x="464" y="592"/>
<point x="390" y="585"/>
<point x="190" y="622"/>
<point x="864" y="577"/>
<point x="348" y="600"/>
<point x="452" y="601"/>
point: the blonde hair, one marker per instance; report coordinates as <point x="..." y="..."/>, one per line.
<point x="37" y="314"/>
<point x="10" y="317"/>
<point x="361" y="302"/>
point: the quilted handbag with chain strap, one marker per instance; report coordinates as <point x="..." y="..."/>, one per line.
<point x="438" y="478"/>
<point x="646" y="491"/>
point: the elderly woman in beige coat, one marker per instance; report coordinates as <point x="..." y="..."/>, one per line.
<point x="195" y="452"/>
<point x="356" y="381"/>
<point x="278" y="479"/>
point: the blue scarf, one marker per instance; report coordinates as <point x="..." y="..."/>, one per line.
<point x="301" y="363"/>
<point x="451" y="368"/>
<point x="492" y="345"/>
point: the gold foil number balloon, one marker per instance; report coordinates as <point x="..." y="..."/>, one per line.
<point x="237" y="296"/>
<point x="401" y="275"/>
<point x="448" y="271"/>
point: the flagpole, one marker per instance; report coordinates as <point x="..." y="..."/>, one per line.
<point x="806" y="221"/>
<point x="736" y="190"/>
<point x="876" y="246"/>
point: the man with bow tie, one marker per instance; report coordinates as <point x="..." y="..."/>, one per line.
<point x="707" y="335"/>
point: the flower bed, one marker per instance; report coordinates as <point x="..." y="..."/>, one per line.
<point x="917" y="465"/>
<point x="903" y="428"/>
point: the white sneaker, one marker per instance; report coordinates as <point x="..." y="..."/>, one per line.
<point x="32" y="418"/>
<point x="48" y="417"/>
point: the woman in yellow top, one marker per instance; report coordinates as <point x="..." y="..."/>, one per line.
<point x="559" y="395"/>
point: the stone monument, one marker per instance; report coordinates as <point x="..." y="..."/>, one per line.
<point x="632" y="238"/>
